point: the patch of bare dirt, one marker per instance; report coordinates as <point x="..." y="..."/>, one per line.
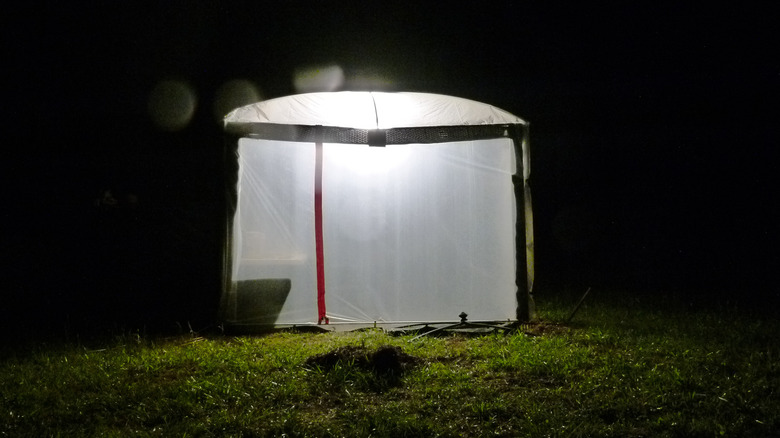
<point x="385" y="360"/>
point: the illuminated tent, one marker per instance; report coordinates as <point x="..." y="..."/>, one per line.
<point x="369" y="207"/>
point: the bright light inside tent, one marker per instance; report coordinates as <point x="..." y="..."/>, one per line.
<point x="397" y="109"/>
<point x="364" y="159"/>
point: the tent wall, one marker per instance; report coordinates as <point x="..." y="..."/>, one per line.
<point x="412" y="232"/>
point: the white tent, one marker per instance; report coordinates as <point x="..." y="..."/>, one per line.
<point x="363" y="207"/>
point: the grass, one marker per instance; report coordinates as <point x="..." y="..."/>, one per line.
<point x="621" y="368"/>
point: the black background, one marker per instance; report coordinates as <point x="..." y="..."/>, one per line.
<point x="653" y="131"/>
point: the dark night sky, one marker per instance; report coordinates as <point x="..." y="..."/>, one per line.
<point x="653" y="127"/>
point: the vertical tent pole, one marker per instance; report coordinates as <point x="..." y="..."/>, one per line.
<point x="227" y="306"/>
<point x="318" y="235"/>
<point x="528" y="222"/>
<point x="526" y="308"/>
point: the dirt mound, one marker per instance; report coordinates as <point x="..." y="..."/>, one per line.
<point x="386" y="359"/>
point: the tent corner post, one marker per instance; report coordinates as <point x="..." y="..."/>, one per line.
<point x="526" y="306"/>
<point x="229" y="203"/>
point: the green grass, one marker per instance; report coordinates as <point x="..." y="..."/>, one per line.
<point x="621" y="368"/>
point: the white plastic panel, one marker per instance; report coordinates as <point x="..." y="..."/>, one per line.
<point x="411" y="232"/>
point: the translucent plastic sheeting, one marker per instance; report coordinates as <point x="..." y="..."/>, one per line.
<point x="411" y="232"/>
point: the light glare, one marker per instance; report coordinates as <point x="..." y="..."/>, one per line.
<point x="318" y="78"/>
<point x="233" y="94"/>
<point x="365" y="159"/>
<point x="172" y="104"/>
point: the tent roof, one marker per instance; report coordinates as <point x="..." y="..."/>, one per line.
<point x="371" y="110"/>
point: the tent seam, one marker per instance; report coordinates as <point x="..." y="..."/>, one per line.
<point x="376" y="112"/>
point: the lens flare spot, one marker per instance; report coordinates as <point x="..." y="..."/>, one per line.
<point x="172" y="104"/>
<point x="233" y="94"/>
<point x="370" y="81"/>
<point x="318" y="78"/>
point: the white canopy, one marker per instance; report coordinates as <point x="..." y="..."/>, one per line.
<point x="372" y="110"/>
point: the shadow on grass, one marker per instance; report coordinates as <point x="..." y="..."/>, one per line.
<point x="358" y="366"/>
